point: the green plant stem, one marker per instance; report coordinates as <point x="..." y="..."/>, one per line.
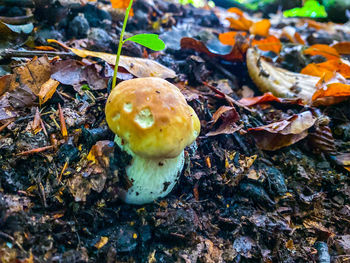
<point x="121" y="42"/>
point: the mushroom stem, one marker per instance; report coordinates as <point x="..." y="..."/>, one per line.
<point x="150" y="178"/>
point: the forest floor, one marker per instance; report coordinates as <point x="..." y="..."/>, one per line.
<point x="267" y="181"/>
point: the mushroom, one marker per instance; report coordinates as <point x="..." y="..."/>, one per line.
<point x="153" y="123"/>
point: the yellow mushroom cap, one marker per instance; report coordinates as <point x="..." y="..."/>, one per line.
<point x="152" y="117"/>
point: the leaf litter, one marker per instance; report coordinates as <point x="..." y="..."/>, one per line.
<point x="269" y="179"/>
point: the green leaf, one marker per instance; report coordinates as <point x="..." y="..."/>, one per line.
<point x="151" y="41"/>
<point x="311" y="8"/>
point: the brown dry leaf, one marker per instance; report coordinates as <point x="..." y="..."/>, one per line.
<point x="280" y="134"/>
<point x="290" y="244"/>
<point x="343" y="48"/>
<point x="47" y="90"/>
<point x="75" y="73"/>
<point x="5" y="83"/>
<point x="228" y="116"/>
<point x="260" y="28"/>
<point x="79" y="188"/>
<point x="323" y="50"/>
<point x="309" y="224"/>
<point x="281" y="82"/>
<point x="271" y="43"/>
<point x="268" y="97"/>
<point x="139" y="67"/>
<point x="32" y="75"/>
<point x="237" y="53"/>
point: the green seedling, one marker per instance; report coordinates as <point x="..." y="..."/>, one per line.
<point x="151" y="41"/>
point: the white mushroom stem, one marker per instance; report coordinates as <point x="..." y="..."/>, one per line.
<point x="150" y="178"/>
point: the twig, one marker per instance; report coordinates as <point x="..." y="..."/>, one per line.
<point x="5" y="125"/>
<point x="228" y="98"/>
<point x="16" y="20"/>
<point x="9" y="53"/>
<point x="37" y="150"/>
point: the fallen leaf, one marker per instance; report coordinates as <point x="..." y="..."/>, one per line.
<point x="122" y="4"/>
<point x="236" y="11"/>
<point x="322" y="50"/>
<point x="260" y="28"/>
<point x="5" y="83"/>
<point x="228" y="38"/>
<point x="310" y="224"/>
<point x="339" y="90"/>
<point x="237" y="52"/>
<point x="103" y="241"/>
<point x="74" y="73"/>
<point x="290" y="244"/>
<point x="280" y="134"/>
<point x="240" y="23"/>
<point x="139" y="67"/>
<point x="32" y="75"/>
<point x="7" y="29"/>
<point x="271" y="43"/>
<point x="268" y="97"/>
<point x="328" y="68"/>
<point x="343" y="48"/>
<point x="47" y="90"/>
<point x="228" y="116"/>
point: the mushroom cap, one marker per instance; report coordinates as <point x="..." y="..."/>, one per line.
<point x="152" y="117"/>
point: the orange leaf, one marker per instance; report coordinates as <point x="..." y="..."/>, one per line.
<point x="122" y="4"/>
<point x="235" y="10"/>
<point x="260" y="28"/>
<point x="323" y="50"/>
<point x="343" y="48"/>
<point x="228" y="38"/>
<point x="47" y="90"/>
<point x="298" y="38"/>
<point x="270" y="43"/>
<point x="328" y="67"/>
<point x="315" y="70"/>
<point x="332" y="90"/>
<point x="241" y="23"/>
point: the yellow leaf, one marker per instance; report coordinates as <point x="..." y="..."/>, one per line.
<point x="103" y="241"/>
<point x="139" y="67"/>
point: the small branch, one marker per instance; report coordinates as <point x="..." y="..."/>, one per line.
<point x="16" y="20"/>
<point x="9" y="53"/>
